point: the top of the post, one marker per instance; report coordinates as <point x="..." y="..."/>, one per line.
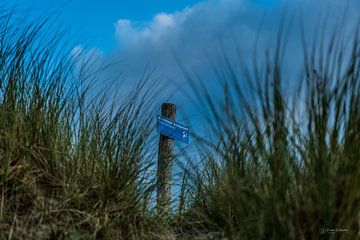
<point x="168" y="110"/>
<point x="168" y="105"/>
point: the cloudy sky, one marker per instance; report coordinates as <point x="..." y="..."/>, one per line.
<point x="152" y="34"/>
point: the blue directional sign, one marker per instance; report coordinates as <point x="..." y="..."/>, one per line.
<point x="172" y="129"/>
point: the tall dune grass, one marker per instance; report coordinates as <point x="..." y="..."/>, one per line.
<point x="70" y="168"/>
<point x="284" y="161"/>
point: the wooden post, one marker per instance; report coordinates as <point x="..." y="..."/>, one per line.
<point x="165" y="160"/>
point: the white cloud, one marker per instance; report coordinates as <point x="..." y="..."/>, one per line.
<point x="123" y="23"/>
<point x="164" y="20"/>
<point x="161" y="27"/>
<point x="188" y="33"/>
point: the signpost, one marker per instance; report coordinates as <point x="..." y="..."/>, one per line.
<point x="169" y="131"/>
<point x="172" y="129"/>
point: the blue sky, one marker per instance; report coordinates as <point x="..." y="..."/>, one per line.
<point x="149" y="33"/>
<point x="142" y="34"/>
<point x="96" y="19"/>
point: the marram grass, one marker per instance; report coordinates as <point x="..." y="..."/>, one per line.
<point x="287" y="167"/>
<point x="285" y="162"/>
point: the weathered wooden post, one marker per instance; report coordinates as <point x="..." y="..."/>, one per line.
<point x="165" y="160"/>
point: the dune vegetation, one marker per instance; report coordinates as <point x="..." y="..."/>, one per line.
<point x="75" y="167"/>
